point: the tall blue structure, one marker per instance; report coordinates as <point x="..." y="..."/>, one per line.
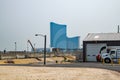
<point x="58" y="35"/>
<point x="59" y="39"/>
<point x="73" y="43"/>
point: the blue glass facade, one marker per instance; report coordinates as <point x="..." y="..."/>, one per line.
<point x="57" y="35"/>
<point x="59" y="39"/>
<point x="73" y="43"/>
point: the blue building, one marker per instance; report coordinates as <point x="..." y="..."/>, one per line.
<point x="58" y="35"/>
<point x="73" y="43"/>
<point x="59" y="39"/>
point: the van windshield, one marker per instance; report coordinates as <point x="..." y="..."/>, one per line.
<point x="112" y="52"/>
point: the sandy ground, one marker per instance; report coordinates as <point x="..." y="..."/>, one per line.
<point x="35" y="70"/>
<point x="32" y="60"/>
<point x="54" y="72"/>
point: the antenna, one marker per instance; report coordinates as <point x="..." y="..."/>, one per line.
<point x="118" y="29"/>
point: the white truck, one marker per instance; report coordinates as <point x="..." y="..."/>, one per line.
<point x="114" y="54"/>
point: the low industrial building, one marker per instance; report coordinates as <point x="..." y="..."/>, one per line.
<point x="93" y="42"/>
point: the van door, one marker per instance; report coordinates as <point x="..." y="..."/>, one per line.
<point x="113" y="55"/>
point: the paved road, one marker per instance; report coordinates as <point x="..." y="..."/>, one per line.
<point x="115" y="67"/>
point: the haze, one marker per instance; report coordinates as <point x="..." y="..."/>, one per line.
<point x="20" y="20"/>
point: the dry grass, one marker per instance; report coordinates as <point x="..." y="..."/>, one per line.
<point x="33" y="60"/>
<point x="25" y="61"/>
<point x="20" y="61"/>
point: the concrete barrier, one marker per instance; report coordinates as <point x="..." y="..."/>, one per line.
<point x="14" y="55"/>
<point x="20" y="56"/>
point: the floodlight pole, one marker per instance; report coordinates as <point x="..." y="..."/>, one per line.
<point x="44" y="46"/>
<point x="45" y="51"/>
<point x="15" y="46"/>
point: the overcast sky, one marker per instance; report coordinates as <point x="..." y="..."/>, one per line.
<point x="20" y="20"/>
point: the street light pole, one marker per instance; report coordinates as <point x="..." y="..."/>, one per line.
<point x="44" y="46"/>
<point x="45" y="51"/>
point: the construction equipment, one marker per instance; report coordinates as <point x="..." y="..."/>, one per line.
<point x="31" y="45"/>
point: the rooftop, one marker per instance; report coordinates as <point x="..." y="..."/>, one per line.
<point x="102" y="37"/>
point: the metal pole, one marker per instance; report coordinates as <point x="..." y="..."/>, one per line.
<point x="44" y="46"/>
<point x="15" y="46"/>
<point x="45" y="50"/>
<point x="118" y="28"/>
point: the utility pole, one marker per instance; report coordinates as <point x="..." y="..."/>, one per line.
<point x="44" y="49"/>
<point x="15" y="46"/>
<point x="118" y="29"/>
<point x="45" y="37"/>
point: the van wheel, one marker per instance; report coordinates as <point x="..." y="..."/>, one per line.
<point x="107" y="60"/>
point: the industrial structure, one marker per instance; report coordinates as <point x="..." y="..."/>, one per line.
<point x="33" y="49"/>
<point x="93" y="42"/>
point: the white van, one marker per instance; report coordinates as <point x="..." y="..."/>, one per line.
<point x="114" y="55"/>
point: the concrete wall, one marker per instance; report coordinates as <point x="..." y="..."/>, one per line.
<point x="19" y="55"/>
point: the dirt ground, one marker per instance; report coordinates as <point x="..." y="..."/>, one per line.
<point x="59" y="71"/>
<point x="56" y="73"/>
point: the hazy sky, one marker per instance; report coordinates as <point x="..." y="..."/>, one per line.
<point x="20" y="20"/>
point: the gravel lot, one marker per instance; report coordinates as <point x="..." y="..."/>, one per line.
<point x="73" y="71"/>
